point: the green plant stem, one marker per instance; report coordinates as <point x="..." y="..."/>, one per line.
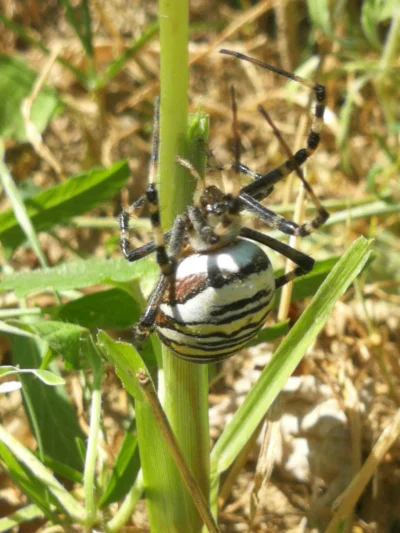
<point x="91" y="456"/>
<point x="387" y="60"/>
<point x="124" y="512"/>
<point x="185" y="384"/>
<point x="165" y="428"/>
<point x="89" y="475"/>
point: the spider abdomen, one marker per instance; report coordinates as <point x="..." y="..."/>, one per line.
<point x="217" y="302"/>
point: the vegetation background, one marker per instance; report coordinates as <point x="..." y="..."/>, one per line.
<point x="77" y="87"/>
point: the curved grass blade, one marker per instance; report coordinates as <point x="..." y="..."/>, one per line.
<point x="288" y="356"/>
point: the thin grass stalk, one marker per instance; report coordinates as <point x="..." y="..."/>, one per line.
<point x="186" y="384"/>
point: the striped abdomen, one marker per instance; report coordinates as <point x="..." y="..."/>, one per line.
<point x="218" y="303"/>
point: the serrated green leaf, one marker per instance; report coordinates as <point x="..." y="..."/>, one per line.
<point x="79" y="274"/>
<point x="114" y="308"/>
<point x="65" y="339"/>
<point x="75" y="196"/>
<point x="16" y="82"/>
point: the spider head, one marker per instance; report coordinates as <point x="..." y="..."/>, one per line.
<point x="214" y="202"/>
<point x="222" y="214"/>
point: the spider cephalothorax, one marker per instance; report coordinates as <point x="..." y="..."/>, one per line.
<point x="216" y="284"/>
<point x="214" y="220"/>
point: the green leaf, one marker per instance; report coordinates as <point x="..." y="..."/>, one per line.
<point x="19" y="210"/>
<point x="157" y="465"/>
<point x="137" y="44"/>
<point x="306" y="286"/>
<point x="320" y="15"/>
<point x="24" y="479"/>
<point x="374" y="12"/>
<point x="24" y="514"/>
<point x="51" y="415"/>
<point x="15" y="330"/>
<point x="79" y="274"/>
<point x="81" y="24"/>
<point x="127" y="363"/>
<point x="16" y="82"/>
<point x="63" y="470"/>
<point x="42" y="475"/>
<point x="65" y="339"/>
<point x="124" y="471"/>
<point x="287" y="357"/>
<point x="270" y="333"/>
<point x="114" y="308"/>
<point x="57" y="204"/>
<point x="48" y="378"/>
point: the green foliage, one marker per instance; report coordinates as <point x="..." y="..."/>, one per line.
<point x="79" y="274"/>
<point x="51" y="415"/>
<point x="105" y="293"/>
<point x="288" y="356"/>
<point x="16" y="83"/>
<point x="57" y="204"/>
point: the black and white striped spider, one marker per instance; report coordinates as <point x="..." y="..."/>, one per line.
<point x="216" y="284"/>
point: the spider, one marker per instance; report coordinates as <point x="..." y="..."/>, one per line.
<point x="216" y="284"/>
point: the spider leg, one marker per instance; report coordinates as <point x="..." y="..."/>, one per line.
<point x="134" y="210"/>
<point x="263" y="184"/>
<point x="134" y="254"/>
<point x="200" y="226"/>
<point x="235" y="129"/>
<point x="166" y="262"/>
<point x="272" y="219"/>
<point x="251" y="199"/>
<point x="322" y="213"/>
<point x="304" y="262"/>
<point x="130" y="253"/>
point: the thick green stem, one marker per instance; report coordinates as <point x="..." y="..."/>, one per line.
<point x="185" y="385"/>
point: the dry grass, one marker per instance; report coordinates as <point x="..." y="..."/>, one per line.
<point x="347" y="390"/>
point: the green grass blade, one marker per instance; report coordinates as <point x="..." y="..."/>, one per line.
<point x="25" y="514"/>
<point x="25" y="36"/>
<point x="20" y="211"/>
<point x="16" y="83"/>
<point x="320" y="15"/>
<point x="125" y="470"/>
<point x="42" y="475"/>
<point x="85" y="34"/>
<point x="158" y="468"/>
<point x="288" y="356"/>
<point x="133" y="48"/>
